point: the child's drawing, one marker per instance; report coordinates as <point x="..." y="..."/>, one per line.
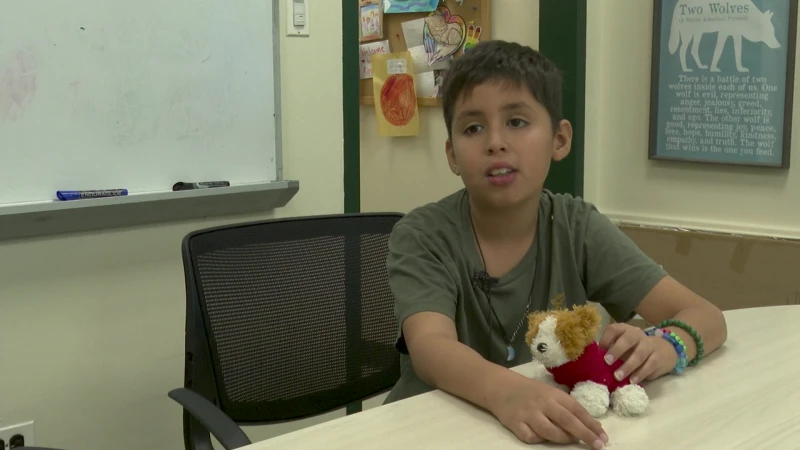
<point x="443" y="34"/>
<point x="473" y="37"/>
<point x="395" y="94"/>
<point x="366" y="51"/>
<point x="409" y="6"/>
<point x="371" y="27"/>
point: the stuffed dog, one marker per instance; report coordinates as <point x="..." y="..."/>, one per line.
<point x="563" y="342"/>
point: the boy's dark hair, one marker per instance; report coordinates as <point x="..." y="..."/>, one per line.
<point x="496" y="60"/>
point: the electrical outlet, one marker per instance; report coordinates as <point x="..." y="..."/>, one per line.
<point x="14" y="435"/>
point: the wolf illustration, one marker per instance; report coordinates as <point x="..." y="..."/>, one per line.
<point x="738" y="19"/>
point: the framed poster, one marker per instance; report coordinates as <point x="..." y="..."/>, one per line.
<point x="722" y="81"/>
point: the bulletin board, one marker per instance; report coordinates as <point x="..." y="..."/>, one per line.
<point x="467" y="14"/>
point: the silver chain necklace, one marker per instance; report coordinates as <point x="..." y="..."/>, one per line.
<point x="510" y="352"/>
<point x="509" y="347"/>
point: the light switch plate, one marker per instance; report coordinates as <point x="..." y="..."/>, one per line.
<point x="301" y="7"/>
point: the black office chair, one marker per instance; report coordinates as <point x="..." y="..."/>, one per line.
<point x="285" y="319"/>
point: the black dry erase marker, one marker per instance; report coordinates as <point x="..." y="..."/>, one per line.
<point x="187" y="186"/>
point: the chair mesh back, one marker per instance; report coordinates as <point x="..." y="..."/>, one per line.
<point x="298" y="312"/>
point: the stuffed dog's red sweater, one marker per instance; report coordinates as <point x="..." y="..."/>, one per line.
<point x="590" y="366"/>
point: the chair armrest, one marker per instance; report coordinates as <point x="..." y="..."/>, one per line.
<point x="212" y="418"/>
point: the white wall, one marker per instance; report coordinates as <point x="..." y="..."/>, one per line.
<point x="620" y="179"/>
<point x="90" y="344"/>
<point x="390" y="167"/>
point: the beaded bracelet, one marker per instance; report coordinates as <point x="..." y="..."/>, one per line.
<point x="695" y="335"/>
<point x="677" y="344"/>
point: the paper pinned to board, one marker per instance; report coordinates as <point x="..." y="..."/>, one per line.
<point x="409" y="6"/>
<point x="396" y="66"/>
<point x="425" y="84"/>
<point x="437" y="83"/>
<point x="394" y="94"/>
<point x="443" y="34"/>
<point x="420" y="60"/>
<point x="365" y="56"/>
<point x="412" y="32"/>
<point x="473" y="37"/>
<point x="371" y="17"/>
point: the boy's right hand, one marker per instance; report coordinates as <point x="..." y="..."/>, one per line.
<point x="536" y="412"/>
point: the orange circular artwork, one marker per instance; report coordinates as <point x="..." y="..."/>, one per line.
<point x="398" y="99"/>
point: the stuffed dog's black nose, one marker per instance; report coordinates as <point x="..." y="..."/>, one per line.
<point x="541" y="348"/>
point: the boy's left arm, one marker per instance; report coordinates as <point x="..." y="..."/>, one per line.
<point x="669" y="299"/>
<point x="623" y="279"/>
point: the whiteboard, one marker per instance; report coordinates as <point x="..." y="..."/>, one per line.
<point x="137" y="95"/>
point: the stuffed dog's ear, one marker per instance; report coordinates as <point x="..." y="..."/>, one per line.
<point x="534" y="320"/>
<point x="589" y="320"/>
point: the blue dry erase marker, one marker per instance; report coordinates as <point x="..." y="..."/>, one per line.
<point x="78" y="195"/>
<point x="186" y="186"/>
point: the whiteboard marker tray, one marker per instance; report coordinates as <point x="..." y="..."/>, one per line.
<point x="56" y="217"/>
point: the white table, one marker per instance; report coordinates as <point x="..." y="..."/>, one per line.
<point x="746" y="395"/>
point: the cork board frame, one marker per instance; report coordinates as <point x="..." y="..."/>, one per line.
<point x="477" y="11"/>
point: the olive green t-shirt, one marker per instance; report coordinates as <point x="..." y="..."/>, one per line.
<point x="577" y="255"/>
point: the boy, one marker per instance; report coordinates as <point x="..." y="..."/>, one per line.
<point x="465" y="271"/>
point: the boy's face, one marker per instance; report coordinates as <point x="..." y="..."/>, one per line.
<point x="503" y="142"/>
